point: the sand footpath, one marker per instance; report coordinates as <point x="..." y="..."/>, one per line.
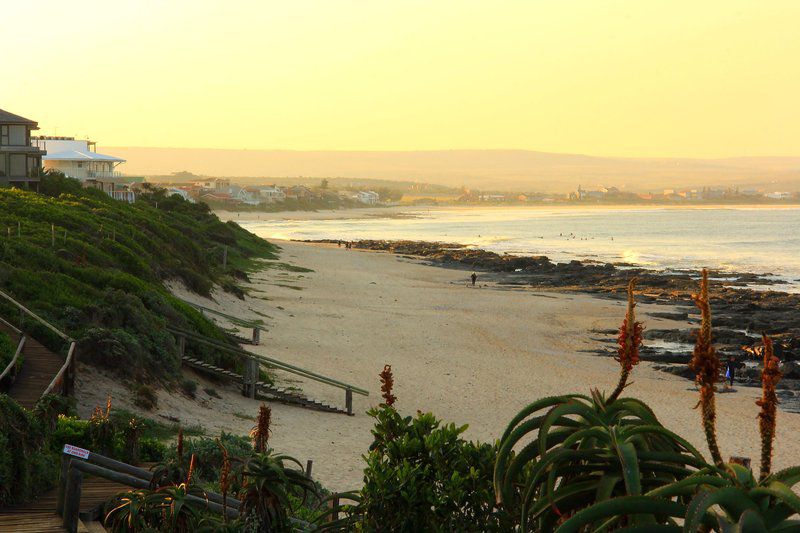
<point x="473" y="356"/>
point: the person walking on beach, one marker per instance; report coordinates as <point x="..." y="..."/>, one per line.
<point x="473" y="277"/>
<point x="730" y="370"/>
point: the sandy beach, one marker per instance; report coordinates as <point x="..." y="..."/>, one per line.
<point x="470" y="356"/>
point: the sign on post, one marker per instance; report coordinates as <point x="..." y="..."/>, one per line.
<point x="74" y="451"/>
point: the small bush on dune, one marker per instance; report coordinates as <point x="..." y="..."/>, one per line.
<point x="145" y="396"/>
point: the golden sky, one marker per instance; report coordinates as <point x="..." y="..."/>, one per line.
<point x="701" y="78"/>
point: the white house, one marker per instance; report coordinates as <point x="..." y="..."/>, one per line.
<point x="78" y="158"/>
<point x="779" y="195"/>
<point x="240" y="194"/>
<point x="367" y="197"/>
<point x="272" y="194"/>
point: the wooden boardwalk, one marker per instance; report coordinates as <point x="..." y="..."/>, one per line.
<point x="39" y="367"/>
<point x="40" y="514"/>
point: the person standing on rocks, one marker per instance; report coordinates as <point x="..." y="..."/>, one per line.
<point x="474" y="278"/>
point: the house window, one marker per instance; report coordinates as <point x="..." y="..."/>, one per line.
<point x="3" y="165"/>
<point x="17" y="165"/>
<point x="4" y="135"/>
<point x="33" y="167"/>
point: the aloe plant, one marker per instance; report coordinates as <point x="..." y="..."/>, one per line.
<point x="587" y="451"/>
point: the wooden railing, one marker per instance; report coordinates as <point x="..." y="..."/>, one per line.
<point x="70" y="485"/>
<point x="269" y="362"/>
<point x="74" y="467"/>
<point x="10" y="370"/>
<point x="236" y="321"/>
<point x="65" y="377"/>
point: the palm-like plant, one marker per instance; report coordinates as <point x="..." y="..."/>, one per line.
<point x="267" y="483"/>
<point x="585" y="451"/>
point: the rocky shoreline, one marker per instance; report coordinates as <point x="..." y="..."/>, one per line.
<point x="740" y="313"/>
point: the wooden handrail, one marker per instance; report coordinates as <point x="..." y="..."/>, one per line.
<point x="14" y="359"/>
<point x="62" y="370"/>
<point x="37" y="317"/>
<point x="269" y="361"/>
<point x="233" y="319"/>
<point x="13" y="328"/>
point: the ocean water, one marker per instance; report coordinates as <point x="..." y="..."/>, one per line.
<point x="735" y="239"/>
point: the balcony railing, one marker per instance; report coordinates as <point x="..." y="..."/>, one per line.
<point x="99" y="174"/>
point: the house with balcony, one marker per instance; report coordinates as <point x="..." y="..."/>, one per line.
<point x="272" y="194"/>
<point x="78" y="158"/>
<point x="20" y="160"/>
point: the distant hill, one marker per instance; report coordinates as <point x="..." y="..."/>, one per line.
<point x="491" y="169"/>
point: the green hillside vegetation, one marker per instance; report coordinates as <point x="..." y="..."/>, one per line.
<point x="95" y="267"/>
<point x="7" y="350"/>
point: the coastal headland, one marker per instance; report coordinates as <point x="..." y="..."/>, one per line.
<point x="470" y="355"/>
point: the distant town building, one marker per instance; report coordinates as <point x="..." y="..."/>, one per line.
<point x="272" y="194"/>
<point x="367" y="197"/>
<point x="20" y="160"/>
<point x="779" y="195"/>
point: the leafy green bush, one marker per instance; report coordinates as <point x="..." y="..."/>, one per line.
<point x="27" y="466"/>
<point x="421" y="475"/>
<point x="208" y="455"/>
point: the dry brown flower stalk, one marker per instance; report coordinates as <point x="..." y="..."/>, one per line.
<point x="629" y="340"/>
<point x="261" y="431"/>
<point x="770" y="376"/>
<point x="705" y="365"/>
<point x="224" y="479"/>
<point x="387" y="383"/>
<point x="191" y="471"/>
<point x="179" y="447"/>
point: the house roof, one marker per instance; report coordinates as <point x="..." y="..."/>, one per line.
<point x="11" y="118"/>
<point x="77" y="155"/>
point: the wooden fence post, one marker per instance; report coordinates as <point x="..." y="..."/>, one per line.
<point x="72" y="500"/>
<point x="250" y="377"/>
<point x="69" y="380"/>
<point x="62" y="484"/>
<point x="181" y="345"/>
<point x="309" y="464"/>
<point x="334" y="503"/>
<point x="256" y="335"/>
<point x="348" y="400"/>
<point x="225" y="256"/>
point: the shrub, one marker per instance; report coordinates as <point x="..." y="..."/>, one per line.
<point x="27" y="466"/>
<point x="421" y="475"/>
<point x="209" y="456"/>
<point x="145" y="396"/>
<point x="189" y="387"/>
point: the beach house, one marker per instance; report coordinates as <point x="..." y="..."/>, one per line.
<point x="368" y="197"/>
<point x="78" y="159"/>
<point x="20" y="160"/>
<point x="272" y="194"/>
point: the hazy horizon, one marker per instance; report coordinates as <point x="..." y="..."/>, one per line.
<point x="509" y="169"/>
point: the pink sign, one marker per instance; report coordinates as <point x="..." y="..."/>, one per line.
<point x="69" y="449"/>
